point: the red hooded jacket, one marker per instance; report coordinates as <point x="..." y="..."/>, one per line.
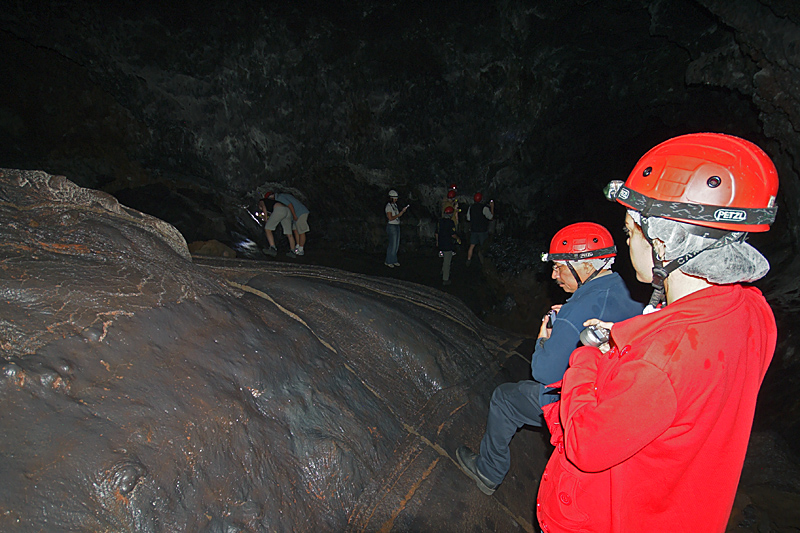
<point x="652" y="435"/>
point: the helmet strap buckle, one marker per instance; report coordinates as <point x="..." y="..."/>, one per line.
<point x="660" y="274"/>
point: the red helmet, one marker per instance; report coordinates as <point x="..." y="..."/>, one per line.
<point x="584" y="240"/>
<point x="451" y="193"/>
<point x="452" y="186"/>
<point x="449" y="210"/>
<point x="478" y="197"/>
<point x="268" y="194"/>
<point x="707" y="179"/>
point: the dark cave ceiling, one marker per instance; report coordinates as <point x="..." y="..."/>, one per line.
<point x="204" y="103"/>
<point x="188" y="110"/>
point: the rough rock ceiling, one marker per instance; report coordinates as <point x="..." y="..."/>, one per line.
<point x="525" y="100"/>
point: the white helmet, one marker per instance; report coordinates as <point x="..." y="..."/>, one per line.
<point x="393" y="194"/>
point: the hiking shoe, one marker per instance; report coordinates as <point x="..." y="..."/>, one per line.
<point x="466" y="460"/>
<point x="396" y="264"/>
<point x="298" y="251"/>
<point x="291" y="254"/>
<point x="469" y="262"/>
<point x="390" y="265"/>
<point x="271" y="251"/>
<point x="446" y="282"/>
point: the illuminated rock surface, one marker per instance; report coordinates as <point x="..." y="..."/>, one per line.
<point x="142" y="392"/>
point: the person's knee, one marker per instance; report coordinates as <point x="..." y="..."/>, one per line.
<point x="499" y="394"/>
<point x="511" y="392"/>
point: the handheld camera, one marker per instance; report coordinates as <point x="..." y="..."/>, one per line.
<point x="550" y="317"/>
<point x="595" y="336"/>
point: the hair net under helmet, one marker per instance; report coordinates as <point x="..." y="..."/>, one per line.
<point x="700" y="194"/>
<point x="737" y="262"/>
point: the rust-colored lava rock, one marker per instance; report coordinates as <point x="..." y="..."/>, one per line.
<point x="142" y="391"/>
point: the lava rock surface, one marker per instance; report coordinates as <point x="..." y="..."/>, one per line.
<point x="143" y="392"/>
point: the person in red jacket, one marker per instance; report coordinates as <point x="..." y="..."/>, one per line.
<point x="651" y="434"/>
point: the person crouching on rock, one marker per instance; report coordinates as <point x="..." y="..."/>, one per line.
<point x="276" y="213"/>
<point x="299" y="214"/>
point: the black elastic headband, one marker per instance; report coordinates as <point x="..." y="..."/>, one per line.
<point x="580" y="256"/>
<point x="649" y="207"/>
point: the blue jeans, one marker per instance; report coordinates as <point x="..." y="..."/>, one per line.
<point x="513" y="405"/>
<point x="393" y="230"/>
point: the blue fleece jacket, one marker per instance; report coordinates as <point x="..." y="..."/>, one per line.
<point x="606" y="298"/>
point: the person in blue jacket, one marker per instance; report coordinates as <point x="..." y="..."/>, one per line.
<point x="582" y="256"/>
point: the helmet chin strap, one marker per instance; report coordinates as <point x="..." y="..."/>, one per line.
<point x="590" y="278"/>
<point x="661" y="271"/>
<point x="660" y="275"/>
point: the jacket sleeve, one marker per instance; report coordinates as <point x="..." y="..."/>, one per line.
<point x="551" y="357"/>
<point x="604" y="427"/>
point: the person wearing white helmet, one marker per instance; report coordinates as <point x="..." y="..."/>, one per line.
<point x="393" y="214"/>
<point x="651" y="434"/>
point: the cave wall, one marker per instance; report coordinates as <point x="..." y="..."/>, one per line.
<point x="762" y="62"/>
<point x="525" y="101"/>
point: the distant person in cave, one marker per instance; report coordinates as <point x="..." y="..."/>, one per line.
<point x="651" y="435"/>
<point x="582" y="255"/>
<point x="479" y="215"/>
<point x="276" y="213"/>
<point x="451" y="200"/>
<point x="446" y="239"/>
<point x="299" y="219"/>
<point x="393" y="214"/>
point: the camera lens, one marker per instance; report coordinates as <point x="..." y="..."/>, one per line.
<point x="594" y="336"/>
